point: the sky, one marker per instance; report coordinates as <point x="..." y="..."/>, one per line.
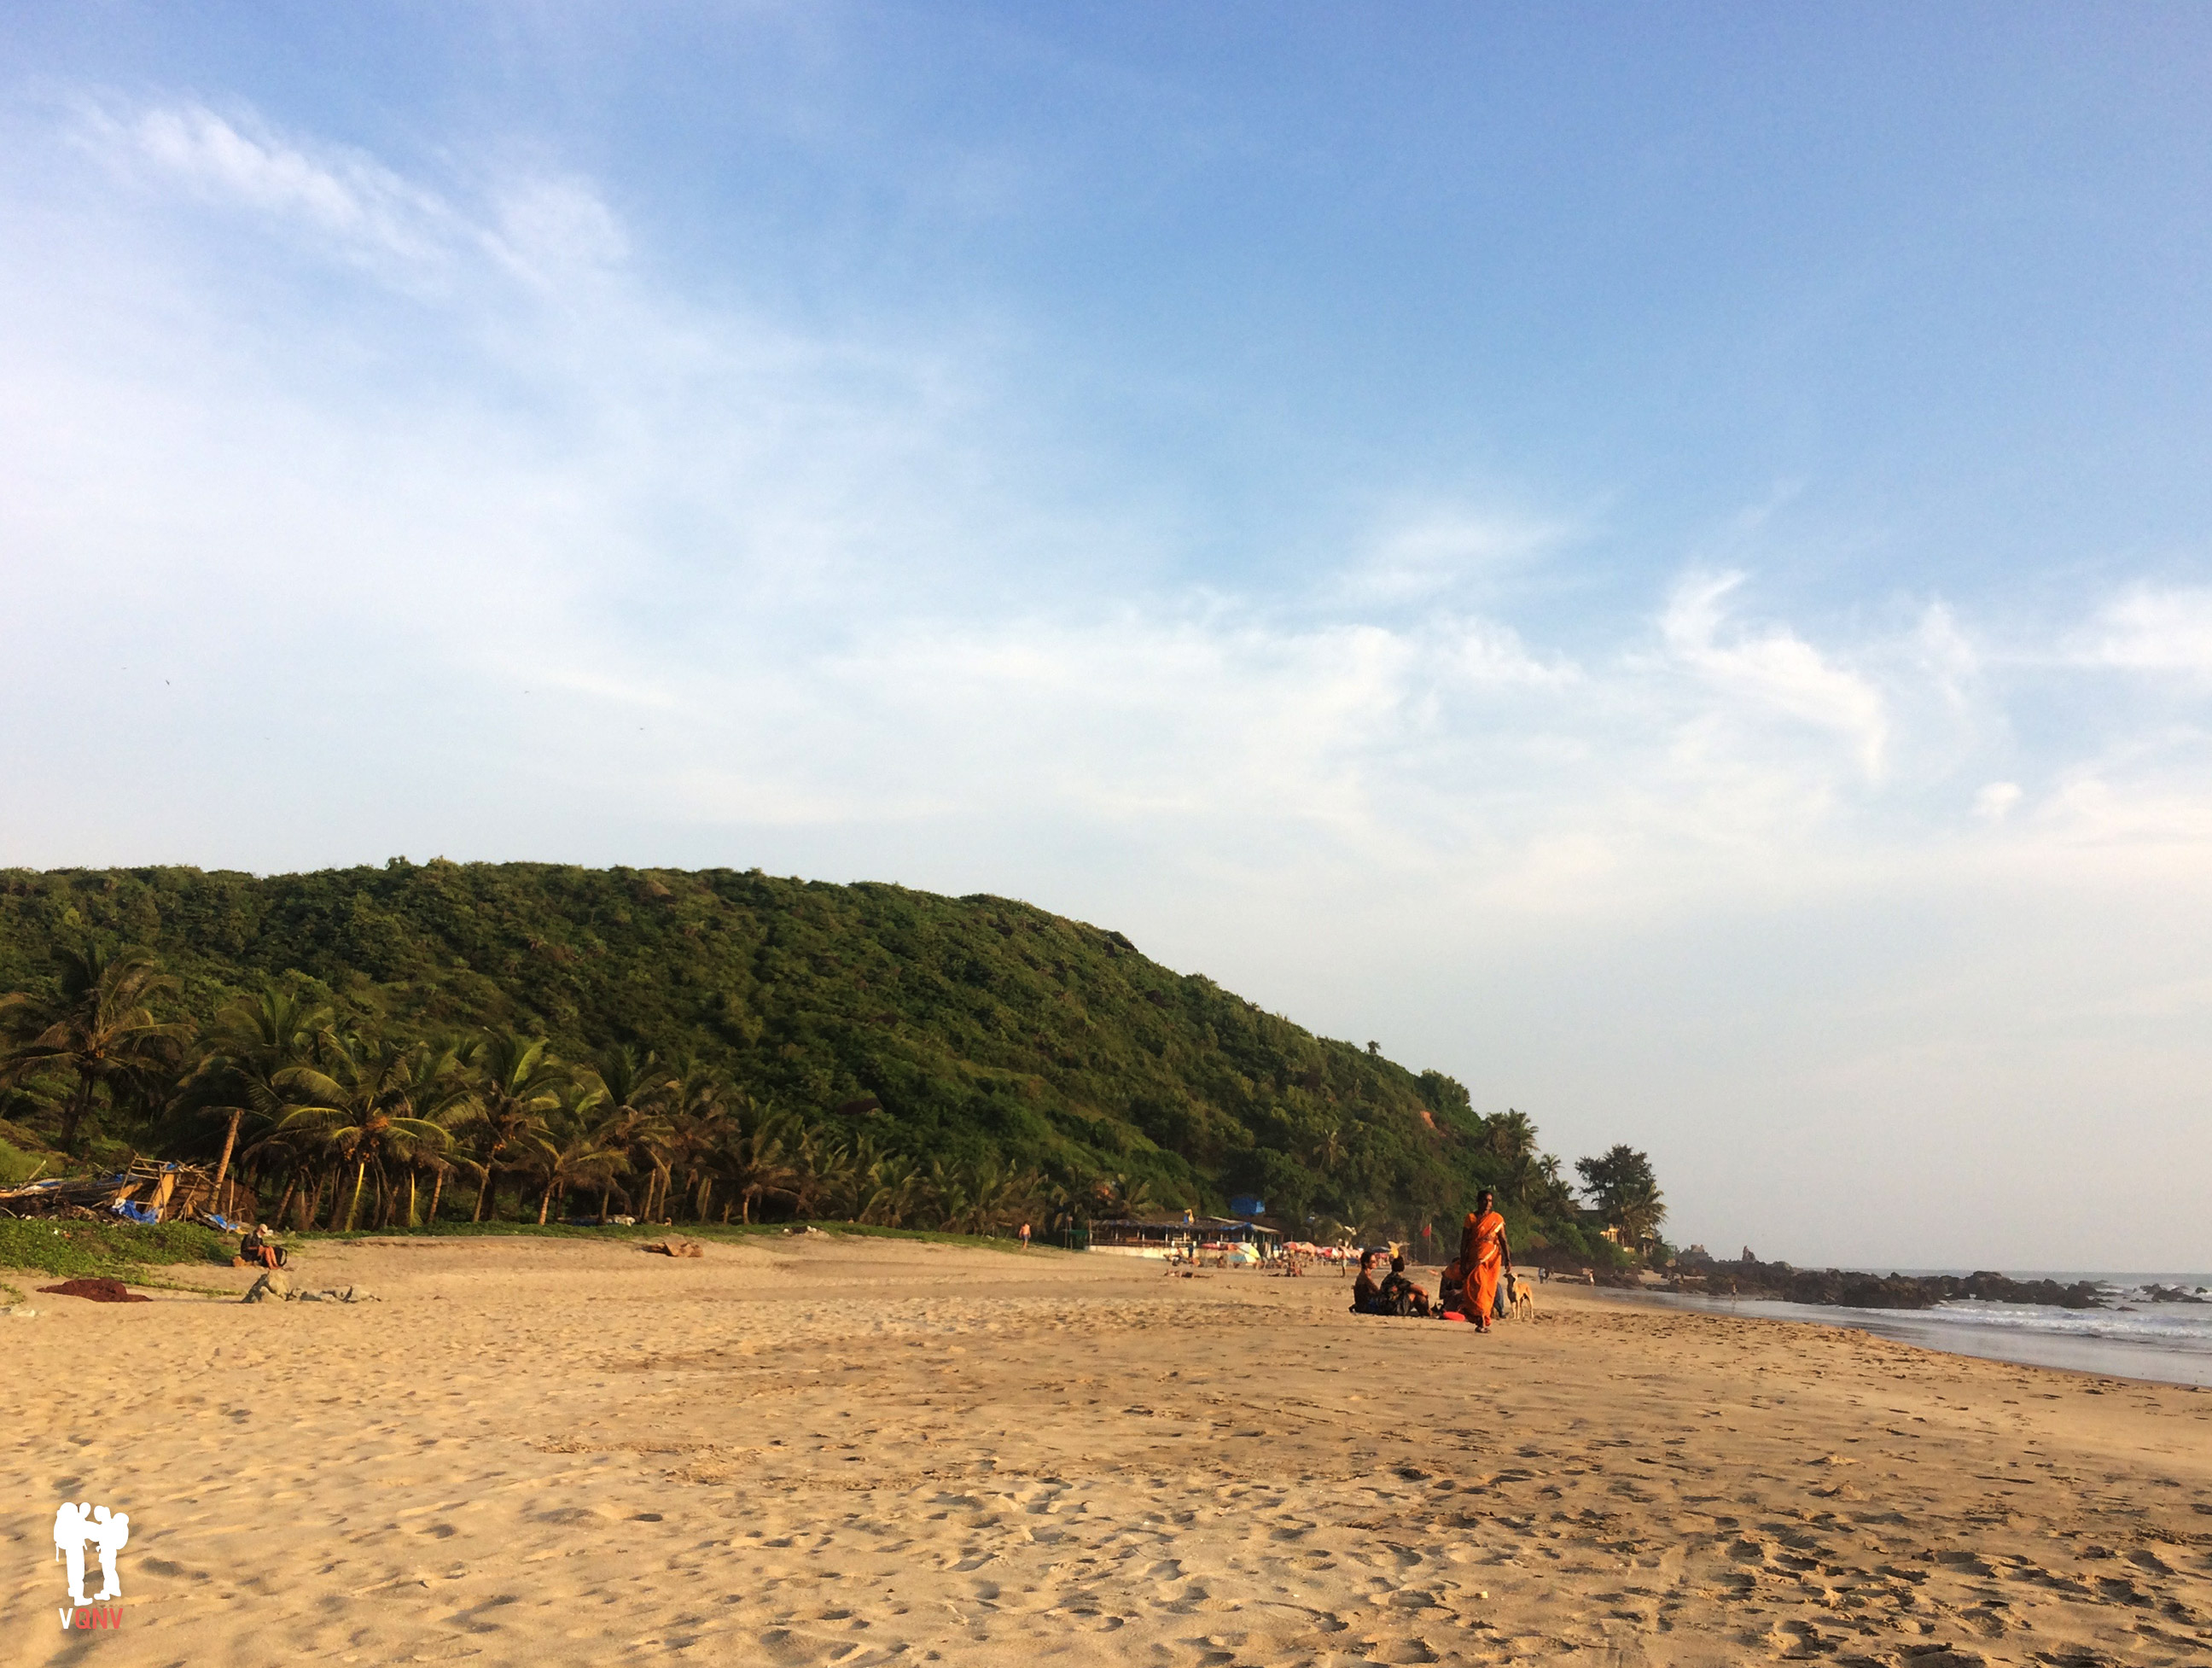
<point x="1656" y="560"/>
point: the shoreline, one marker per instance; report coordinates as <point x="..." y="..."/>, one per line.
<point x="856" y="1452"/>
<point x="1977" y="1335"/>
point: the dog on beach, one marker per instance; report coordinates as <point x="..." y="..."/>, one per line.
<point x="1520" y="1301"/>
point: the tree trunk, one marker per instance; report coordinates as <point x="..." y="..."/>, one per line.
<point x="229" y="1141"/>
<point x="79" y="1107"/>
<point x="706" y="1199"/>
<point x="545" y="1204"/>
<point x="411" y="1222"/>
<point x="353" y="1209"/>
<point x="483" y="1192"/>
<point x="437" y="1187"/>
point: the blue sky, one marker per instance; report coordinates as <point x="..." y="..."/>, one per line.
<point x="1656" y="561"/>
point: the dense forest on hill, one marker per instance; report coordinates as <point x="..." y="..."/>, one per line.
<point x="974" y="1032"/>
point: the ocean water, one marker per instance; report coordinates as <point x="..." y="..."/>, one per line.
<point x="2137" y="1337"/>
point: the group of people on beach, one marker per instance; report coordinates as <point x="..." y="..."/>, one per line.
<point x="1468" y="1289"/>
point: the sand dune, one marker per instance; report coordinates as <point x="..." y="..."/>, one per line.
<point x="818" y="1452"/>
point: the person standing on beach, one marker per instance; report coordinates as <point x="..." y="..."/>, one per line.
<point x="1483" y="1255"/>
<point x="1025" y="1236"/>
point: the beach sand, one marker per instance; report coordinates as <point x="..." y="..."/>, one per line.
<point x="817" y="1450"/>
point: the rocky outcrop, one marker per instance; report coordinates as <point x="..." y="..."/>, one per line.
<point x="1851" y="1289"/>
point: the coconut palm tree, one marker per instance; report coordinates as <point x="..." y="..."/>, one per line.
<point x="251" y="1042"/>
<point x="1121" y="1199"/>
<point x="699" y="1120"/>
<point x="820" y="1175"/>
<point x="372" y="1102"/>
<point x="98" y="1025"/>
<point x="636" y="1094"/>
<point x="514" y="1084"/>
<point x="756" y="1162"/>
<point x="570" y="1149"/>
<point x="890" y="1190"/>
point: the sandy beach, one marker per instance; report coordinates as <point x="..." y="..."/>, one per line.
<point x="798" y="1451"/>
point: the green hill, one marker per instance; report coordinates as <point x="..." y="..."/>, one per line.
<point x="961" y="1029"/>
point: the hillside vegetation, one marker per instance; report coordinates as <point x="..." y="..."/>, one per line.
<point x="975" y="1034"/>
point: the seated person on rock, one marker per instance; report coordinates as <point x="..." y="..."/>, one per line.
<point x="1400" y="1296"/>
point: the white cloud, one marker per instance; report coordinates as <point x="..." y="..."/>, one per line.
<point x="570" y="565"/>
<point x="1771" y="671"/>
<point x="1438" y="552"/>
<point x="2148" y="628"/>
<point x="349" y="200"/>
<point x="1997" y="799"/>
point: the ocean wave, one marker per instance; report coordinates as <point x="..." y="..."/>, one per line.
<point x="2164" y="1326"/>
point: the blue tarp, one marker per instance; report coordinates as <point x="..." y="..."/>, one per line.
<point x="134" y="1213"/>
<point x="223" y="1222"/>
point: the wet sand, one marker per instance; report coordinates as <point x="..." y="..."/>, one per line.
<point x="861" y="1451"/>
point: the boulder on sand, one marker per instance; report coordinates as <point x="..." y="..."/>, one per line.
<point x="271" y="1285"/>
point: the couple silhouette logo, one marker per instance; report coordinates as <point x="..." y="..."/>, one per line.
<point x="78" y="1525"/>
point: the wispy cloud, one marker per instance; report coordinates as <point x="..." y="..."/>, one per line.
<point x="1768" y="672"/>
<point x="770" y="575"/>
<point x="2150" y="629"/>
<point x="556" y="556"/>
<point x="350" y="202"/>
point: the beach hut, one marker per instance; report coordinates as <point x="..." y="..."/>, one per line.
<point x="1181" y="1234"/>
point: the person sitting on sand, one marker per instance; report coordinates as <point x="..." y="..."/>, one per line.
<point x="1451" y="1292"/>
<point x="1366" y="1295"/>
<point x="1483" y="1255"/>
<point x="258" y="1247"/>
<point x="1400" y="1296"/>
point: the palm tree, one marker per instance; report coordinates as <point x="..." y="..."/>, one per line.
<point x="821" y="1172"/>
<point x="1512" y="1140"/>
<point x="698" y="1123"/>
<point x="251" y="1042"/>
<point x="1121" y="1198"/>
<point x="756" y="1164"/>
<point x="378" y="1101"/>
<point x="891" y="1188"/>
<point x="570" y="1149"/>
<point x="637" y="1090"/>
<point x="98" y="1025"/>
<point x="952" y="1193"/>
<point x="515" y="1084"/>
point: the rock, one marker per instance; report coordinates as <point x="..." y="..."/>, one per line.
<point x="310" y="1297"/>
<point x="272" y="1285"/>
<point x="24" y="1312"/>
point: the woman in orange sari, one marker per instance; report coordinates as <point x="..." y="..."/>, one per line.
<point x="1485" y="1254"/>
